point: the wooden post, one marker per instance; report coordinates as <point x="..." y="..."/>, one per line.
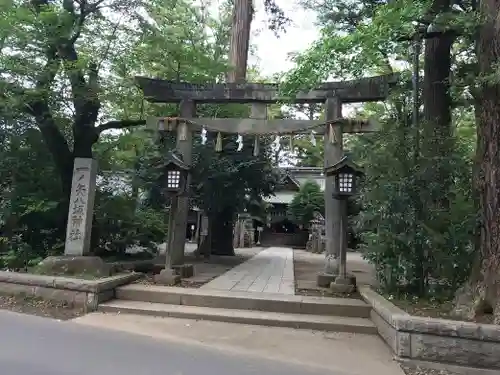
<point x="333" y="154"/>
<point x="168" y="276"/>
<point x="242" y="226"/>
<point x="343" y="283"/>
<point x="185" y="148"/>
<point x="236" y="233"/>
<point x="343" y="240"/>
<point x="204" y="241"/>
<point x="197" y="231"/>
<point x="171" y="233"/>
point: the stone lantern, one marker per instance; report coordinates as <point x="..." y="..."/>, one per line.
<point x="176" y="173"/>
<point x="345" y="175"/>
<point x="175" y="183"/>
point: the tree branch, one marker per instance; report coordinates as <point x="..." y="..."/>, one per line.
<point x="79" y="21"/>
<point x="122" y="124"/>
<point x="49" y="72"/>
<point x="64" y="48"/>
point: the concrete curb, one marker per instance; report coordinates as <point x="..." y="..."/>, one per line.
<point x="473" y="346"/>
<point x="269" y="319"/>
<point x="279" y="303"/>
<point x="78" y="292"/>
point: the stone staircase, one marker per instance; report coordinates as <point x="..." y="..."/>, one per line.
<point x="275" y="310"/>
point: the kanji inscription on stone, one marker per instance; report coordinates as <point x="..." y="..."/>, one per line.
<point x="81" y="207"/>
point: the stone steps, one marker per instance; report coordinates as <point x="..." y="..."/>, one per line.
<point x="265" y="318"/>
<point x="263" y="302"/>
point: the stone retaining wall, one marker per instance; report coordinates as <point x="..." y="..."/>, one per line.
<point x="435" y="340"/>
<point x="79" y="292"/>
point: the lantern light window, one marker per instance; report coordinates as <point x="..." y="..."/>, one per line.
<point x="345" y="174"/>
<point x="173" y="179"/>
<point x="346" y="182"/>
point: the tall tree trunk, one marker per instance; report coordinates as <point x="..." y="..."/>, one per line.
<point x="222" y="229"/>
<point x="482" y="292"/>
<point x="240" y="40"/>
<point x="222" y="225"/>
<point x="436" y="130"/>
<point x="64" y="160"/>
<point x="437" y="141"/>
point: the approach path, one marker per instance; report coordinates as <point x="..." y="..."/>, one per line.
<point x="270" y="271"/>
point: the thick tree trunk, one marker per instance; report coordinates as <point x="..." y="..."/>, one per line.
<point x="63" y="157"/>
<point x="482" y="292"/>
<point x="56" y="144"/>
<point x="437" y="142"/>
<point x="436" y="130"/>
<point x="221" y="228"/>
<point x="240" y="40"/>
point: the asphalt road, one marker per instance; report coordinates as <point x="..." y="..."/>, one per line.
<point x="31" y="345"/>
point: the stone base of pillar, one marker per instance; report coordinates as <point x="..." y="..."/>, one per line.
<point x="344" y="285"/>
<point x="324" y="280"/>
<point x="72" y="265"/>
<point x="167" y="277"/>
<point x="248" y="239"/>
<point x="184" y="270"/>
<point x="331" y="265"/>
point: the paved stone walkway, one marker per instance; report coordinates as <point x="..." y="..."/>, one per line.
<point x="270" y="271"/>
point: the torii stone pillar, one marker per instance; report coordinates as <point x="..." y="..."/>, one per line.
<point x="184" y="146"/>
<point x="333" y="153"/>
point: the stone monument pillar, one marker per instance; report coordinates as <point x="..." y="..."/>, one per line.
<point x="76" y="259"/>
<point x="237" y="232"/>
<point x="249" y="231"/>
<point x="243" y="231"/>
<point x="81" y="207"/>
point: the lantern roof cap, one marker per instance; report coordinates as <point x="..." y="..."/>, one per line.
<point x="174" y="159"/>
<point x="344" y="164"/>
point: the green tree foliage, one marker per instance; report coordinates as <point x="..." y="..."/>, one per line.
<point x="29" y="198"/>
<point x="417" y="218"/>
<point x="308" y="154"/>
<point x="66" y="81"/>
<point x="387" y="220"/>
<point x="223" y="183"/>
<point x="308" y="201"/>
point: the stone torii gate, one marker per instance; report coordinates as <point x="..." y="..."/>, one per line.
<point x="332" y="94"/>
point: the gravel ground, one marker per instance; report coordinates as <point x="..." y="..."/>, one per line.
<point x="148" y="279"/>
<point x="36" y="306"/>
<point x="425" y="371"/>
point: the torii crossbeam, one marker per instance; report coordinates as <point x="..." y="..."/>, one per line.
<point x="332" y="94"/>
